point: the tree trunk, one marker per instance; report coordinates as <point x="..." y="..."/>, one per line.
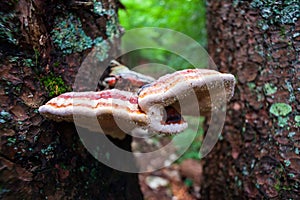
<point x="258" y="153"/>
<point x="43" y="44"/>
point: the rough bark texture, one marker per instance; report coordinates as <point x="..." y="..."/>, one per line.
<point x="43" y="44"/>
<point x="258" y="154"/>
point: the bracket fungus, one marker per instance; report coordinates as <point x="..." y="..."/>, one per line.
<point x="155" y="106"/>
<point x="119" y="76"/>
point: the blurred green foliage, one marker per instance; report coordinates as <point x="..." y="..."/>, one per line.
<point x="185" y="16"/>
<point x="192" y="152"/>
<point x="55" y="85"/>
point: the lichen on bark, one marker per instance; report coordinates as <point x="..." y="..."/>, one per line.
<point x="259" y="154"/>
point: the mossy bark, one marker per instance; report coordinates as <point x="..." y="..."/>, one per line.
<point x="258" y="154"/>
<point x="43" y="44"/>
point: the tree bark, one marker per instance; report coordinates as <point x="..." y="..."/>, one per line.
<point x="43" y="44"/>
<point x="258" y="153"/>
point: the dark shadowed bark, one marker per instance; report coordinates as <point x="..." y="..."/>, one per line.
<point x="258" y="154"/>
<point x="43" y="44"/>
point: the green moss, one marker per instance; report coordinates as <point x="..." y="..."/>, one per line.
<point x="54" y="85"/>
<point x="280" y="109"/>
<point x="277" y="186"/>
<point x="56" y="64"/>
<point x="269" y="89"/>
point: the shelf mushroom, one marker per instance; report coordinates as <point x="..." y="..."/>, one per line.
<point x="119" y="76"/>
<point x="156" y="106"/>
